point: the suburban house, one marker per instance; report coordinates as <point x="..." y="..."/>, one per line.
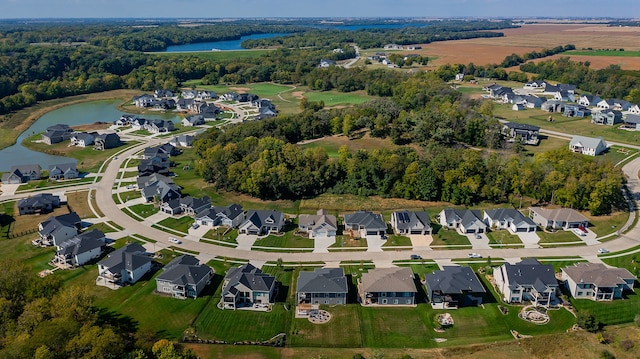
<point x="531" y="101"/>
<point x="535" y="84"/>
<point x="247" y="97"/>
<point x="322" y="286"/>
<point x="230" y="216"/>
<point x="80" y="249"/>
<point x="321" y="224"/>
<point x="596" y="281"/>
<point x="166" y="148"/>
<point x="157" y="185"/>
<point x="57" y="133"/>
<point x="388" y="286"/>
<point x="194" y="120"/>
<point x="631" y="122"/>
<point x="171" y="207"/>
<point x="247" y="287"/>
<point x="184" y="104"/>
<point x="163" y="93"/>
<point x="634" y="109"/>
<point x="324" y="63"/>
<point x="39" y="203"/>
<point x="144" y="101"/>
<point x="148" y="167"/>
<point x="193" y="205"/>
<point x="262" y="222"/>
<point x="160" y="160"/>
<point x="454" y="287"/>
<point x="509" y="218"/>
<point x="528" y="280"/>
<point x="22" y="174"/>
<point x="184" y="277"/>
<point x="364" y="223"/>
<point x="63" y="171"/>
<point x="614" y="104"/>
<point x="392" y="47"/>
<point x="159" y="126"/>
<point x="606" y="117"/>
<point x="106" y="141"/>
<point x="57" y="229"/>
<point x="560" y="218"/>
<point x="464" y="220"/>
<point x="265" y="112"/>
<point x="405" y="222"/>
<point x="589" y="100"/>
<point x="564" y="96"/>
<point x="575" y="110"/>
<point x="125" y="265"/>
<point x="518" y="106"/>
<point x="587" y="145"/>
<point x="83" y="139"/>
<point x="528" y="133"/>
<point x="553" y="106"/>
<point x="182" y="141"/>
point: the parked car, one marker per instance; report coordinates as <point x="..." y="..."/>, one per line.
<point x="415" y="256"/>
<point x="474" y="255"/>
<point x="195" y="226"/>
<point x="578" y="232"/>
<point x="603" y="250"/>
<point x="478" y="236"/>
<point x="174" y="240"/>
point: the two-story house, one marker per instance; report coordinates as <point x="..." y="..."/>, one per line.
<point x="247" y="287"/>
<point x="528" y="280"/>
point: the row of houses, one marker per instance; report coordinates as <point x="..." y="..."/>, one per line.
<point x="26" y="173"/>
<point x="62" y="132"/>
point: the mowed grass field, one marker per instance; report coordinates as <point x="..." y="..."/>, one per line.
<point x="215" y="55"/>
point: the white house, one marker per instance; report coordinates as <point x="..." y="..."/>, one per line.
<point x="528" y="280"/>
<point x="587" y="145"/>
<point x="124" y="266"/>
<point x="596" y="281"/>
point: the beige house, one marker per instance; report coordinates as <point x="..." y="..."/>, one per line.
<point x="388" y="286"/>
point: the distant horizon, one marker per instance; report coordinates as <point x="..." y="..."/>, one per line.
<point x="265" y="9"/>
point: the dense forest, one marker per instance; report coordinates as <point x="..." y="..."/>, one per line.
<point x="42" y="319"/>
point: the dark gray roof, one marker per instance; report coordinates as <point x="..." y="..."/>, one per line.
<point x="522" y="126"/>
<point x="64" y="167"/>
<point x="54" y="223"/>
<point x="129" y="257"/>
<point x="509" y="215"/>
<point x="408" y="220"/>
<point x="260" y="217"/>
<point x="454" y="280"/>
<point x="184" y="270"/>
<point x="231" y="211"/>
<point x="369" y="220"/>
<point x="59" y="127"/>
<point x="466" y="217"/>
<point x="632" y="118"/>
<point x="249" y="276"/>
<point x="323" y="280"/>
<point x="82" y="243"/>
<point x="530" y="272"/>
<point x="41" y="199"/>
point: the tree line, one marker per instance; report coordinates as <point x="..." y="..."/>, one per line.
<point x="40" y="318"/>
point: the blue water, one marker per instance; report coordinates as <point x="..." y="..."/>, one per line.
<point x="220" y="45"/>
<point x="73" y="115"/>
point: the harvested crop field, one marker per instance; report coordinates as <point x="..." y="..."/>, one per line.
<point x="536" y="37"/>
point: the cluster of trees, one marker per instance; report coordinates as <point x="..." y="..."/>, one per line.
<point x="378" y="37"/>
<point x="610" y="82"/>
<point x="39" y="318"/>
<point x="271" y="168"/>
<point x="515" y="60"/>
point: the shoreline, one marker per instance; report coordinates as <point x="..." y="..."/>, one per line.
<point x="23" y="119"/>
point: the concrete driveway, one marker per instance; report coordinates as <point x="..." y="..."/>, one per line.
<point x="375" y="243"/>
<point x="321" y="244"/>
<point x="245" y="241"/>
<point x="529" y="239"/>
<point x="479" y="243"/>
<point x="589" y="239"/>
<point x="421" y="241"/>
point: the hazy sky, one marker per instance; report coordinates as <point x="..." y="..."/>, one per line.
<point x="315" y="8"/>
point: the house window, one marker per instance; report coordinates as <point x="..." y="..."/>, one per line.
<point x="326" y="302"/>
<point x="339" y="301"/>
<point x="409" y="301"/>
<point x="579" y="294"/>
<point x="395" y="301"/>
<point x="384" y="301"/>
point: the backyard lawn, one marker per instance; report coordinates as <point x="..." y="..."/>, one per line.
<point x="343" y="330"/>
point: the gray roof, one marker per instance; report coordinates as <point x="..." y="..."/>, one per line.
<point x="42" y="199"/>
<point x="82" y="243"/>
<point x="185" y="269"/>
<point x="322" y="280"/>
<point x="249" y="276"/>
<point x="454" y="280"/>
<point x="398" y="279"/>
<point x="409" y="220"/>
<point x="259" y="218"/>
<point x="54" y="223"/>
<point x="522" y="126"/>
<point x="231" y="211"/>
<point x="64" y="167"/>
<point x="530" y="272"/>
<point x="598" y="274"/>
<point x="465" y="217"/>
<point x="587" y="142"/>
<point x="632" y="118"/>
<point x="321" y="219"/>
<point x="129" y="257"/>
<point x="59" y="127"/>
<point x="509" y="215"/>
<point x="560" y="214"/>
<point x="366" y="219"/>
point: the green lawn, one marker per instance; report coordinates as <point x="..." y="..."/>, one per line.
<point x="335" y="98"/>
<point x="559" y="236"/>
<point x="214" y="55"/>
<point x="330" y="148"/>
<point x="45" y="183"/>
<point x="287" y="240"/>
<point x="448" y="237"/>
<point x="615" y="312"/>
<point x="343" y="330"/>
<point x="503" y="237"/>
<point x="603" y="53"/>
<point x="144" y="210"/>
<point x="395" y="240"/>
<point x="603" y="225"/>
<point x="129" y="195"/>
<point x="181" y="224"/>
<point x="217" y="234"/>
<point x="103" y="227"/>
<point x="397" y="327"/>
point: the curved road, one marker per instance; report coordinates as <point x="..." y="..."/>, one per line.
<point x="132" y="226"/>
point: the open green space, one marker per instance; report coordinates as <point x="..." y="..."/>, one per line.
<point x="129" y="195"/>
<point x="448" y="237"/>
<point x="47" y="183"/>
<point x="614" y="312"/>
<point x="343" y="330"/>
<point x="105" y="228"/>
<point x="503" y="237"/>
<point x="335" y="98"/>
<point x="180" y="225"/>
<point x="330" y="148"/>
<point x="214" y="55"/>
<point x="604" y="53"/>
<point x="144" y="210"/>
<point x="606" y="224"/>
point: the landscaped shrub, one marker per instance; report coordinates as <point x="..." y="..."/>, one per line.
<point x="605" y="354"/>
<point x="587" y="321"/>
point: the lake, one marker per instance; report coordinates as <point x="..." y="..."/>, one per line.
<point x="220" y="45"/>
<point x="73" y="115"/>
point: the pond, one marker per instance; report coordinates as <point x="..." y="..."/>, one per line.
<point x="73" y="115"/>
<point x="220" y="45"/>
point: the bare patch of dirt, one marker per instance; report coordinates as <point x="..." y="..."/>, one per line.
<point x="298" y="94"/>
<point x="240" y="89"/>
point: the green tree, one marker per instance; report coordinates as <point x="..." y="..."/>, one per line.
<point x="587" y="321"/>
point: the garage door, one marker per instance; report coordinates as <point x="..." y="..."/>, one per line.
<point x="416" y="232"/>
<point x="521" y="229"/>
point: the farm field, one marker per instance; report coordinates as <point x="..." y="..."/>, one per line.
<point x="532" y="37"/>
